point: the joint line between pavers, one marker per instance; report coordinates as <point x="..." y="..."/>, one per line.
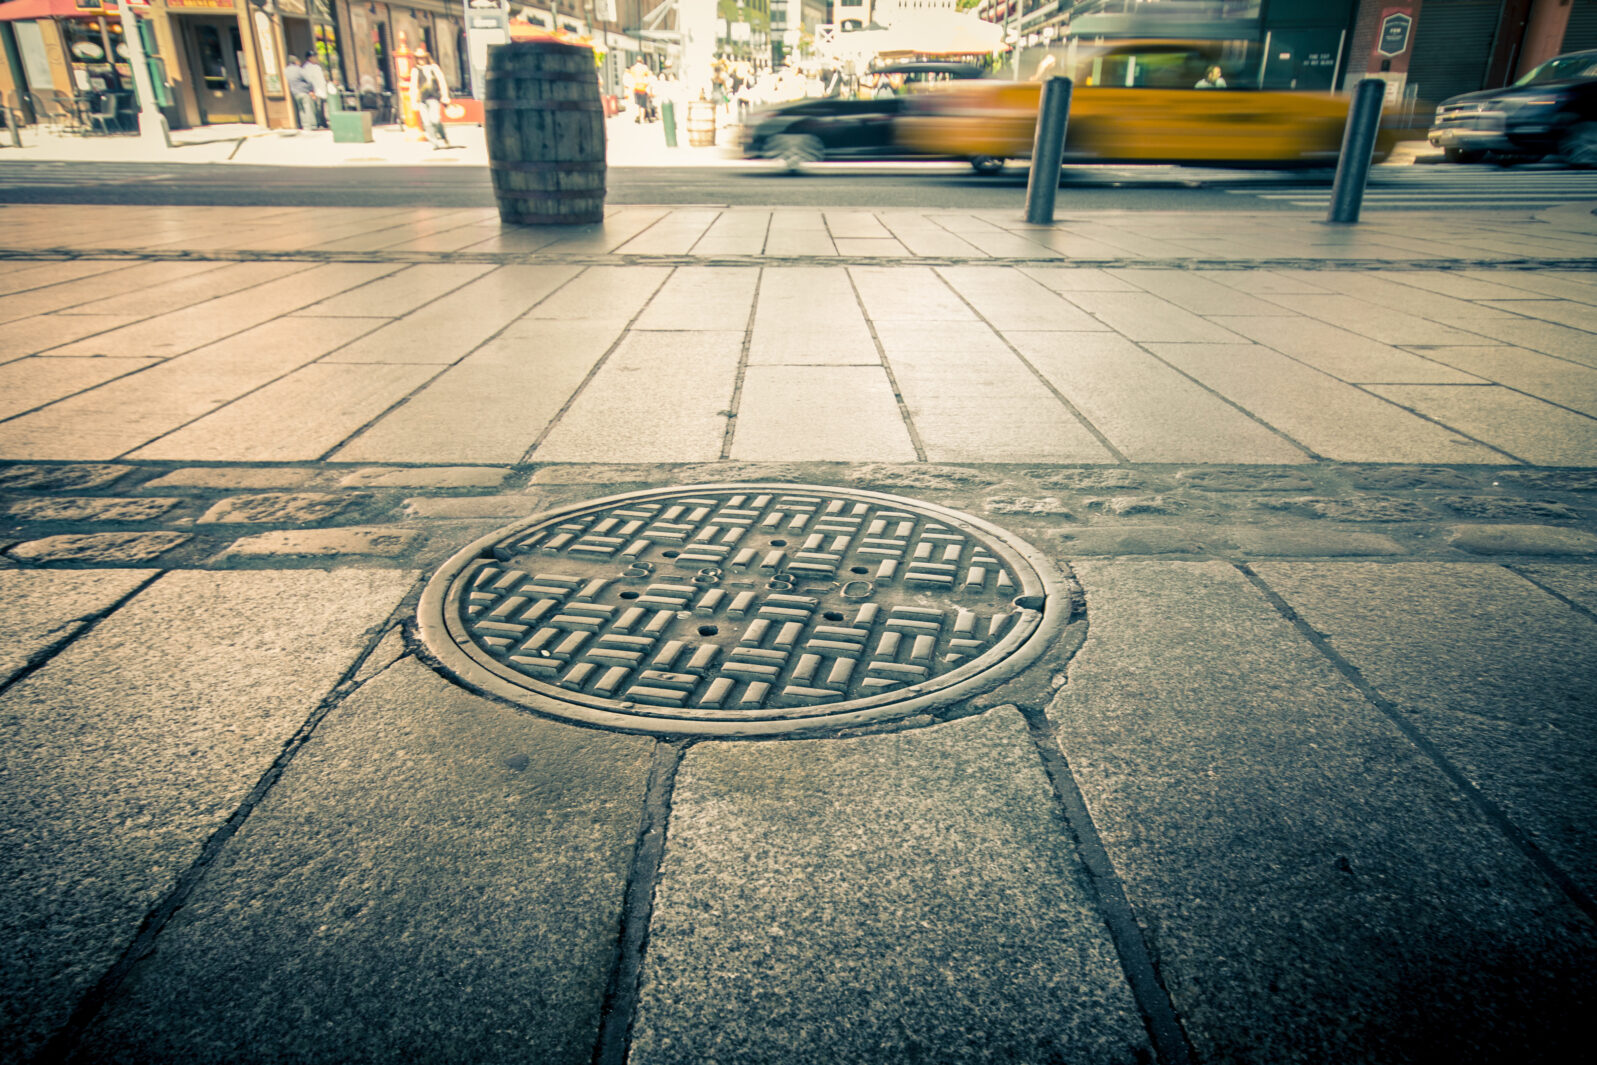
<point x="350" y="437"/>
<point x="736" y="401"/>
<point x="1493" y="814"/>
<point x="1064" y="400"/>
<point x="887" y="368"/>
<point x="64" y="1042"/>
<point x="1587" y="264"/>
<point x="42" y="657"/>
<point x="593" y="371"/>
<point x="1578" y="608"/>
<point x="1422" y="416"/>
<point x="614" y="1043"/>
<point x="1170" y="1042"/>
<point x="1233" y="404"/>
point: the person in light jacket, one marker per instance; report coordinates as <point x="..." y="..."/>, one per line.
<point x="428" y="94"/>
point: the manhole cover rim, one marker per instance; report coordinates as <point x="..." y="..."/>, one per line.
<point x="459" y="657"/>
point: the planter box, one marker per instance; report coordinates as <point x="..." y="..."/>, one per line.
<point x="351" y="127"/>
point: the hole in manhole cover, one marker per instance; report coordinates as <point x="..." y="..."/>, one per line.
<point x="742" y="609"/>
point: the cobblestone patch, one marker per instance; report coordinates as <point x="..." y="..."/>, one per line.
<point x="1140" y="540"/>
<point x="448" y="508"/>
<point x="1396" y="478"/>
<point x="76" y="477"/>
<point x="1316" y="541"/>
<point x="107" y="548"/>
<point x="919" y="478"/>
<point x="1247" y="480"/>
<point x="1494" y="508"/>
<point x="1034" y="505"/>
<point x="595" y="474"/>
<point x="1521" y="540"/>
<point x="274" y="508"/>
<point x="242" y="479"/>
<point x="92" y="509"/>
<point x="370" y="542"/>
<point x="440" y="477"/>
<point x="1155" y="509"/>
<point x="1357" y="508"/>
<point x="1132" y="506"/>
<point x="1552" y="480"/>
<point x="1096" y="480"/>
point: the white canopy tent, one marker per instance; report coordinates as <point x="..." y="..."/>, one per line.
<point x="931" y="33"/>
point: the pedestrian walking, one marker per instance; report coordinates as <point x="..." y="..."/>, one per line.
<point x="300" y="91"/>
<point x="317" y="77"/>
<point x="428" y="95"/>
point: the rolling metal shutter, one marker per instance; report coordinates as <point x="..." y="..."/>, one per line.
<point x="1452" y="45"/>
<point x="1582" y="31"/>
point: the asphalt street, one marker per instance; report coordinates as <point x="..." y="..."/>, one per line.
<point x="447" y="183"/>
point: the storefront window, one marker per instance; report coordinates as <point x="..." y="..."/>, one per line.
<point x="98" y="56"/>
<point x="324" y="31"/>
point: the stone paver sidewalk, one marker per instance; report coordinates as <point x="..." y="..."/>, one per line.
<point x="1306" y="776"/>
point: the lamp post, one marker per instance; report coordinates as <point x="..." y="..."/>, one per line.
<point x="152" y="124"/>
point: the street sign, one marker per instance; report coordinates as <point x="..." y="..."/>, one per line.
<point x="1395" y="32"/>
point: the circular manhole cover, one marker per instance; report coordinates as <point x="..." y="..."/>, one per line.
<point x="741" y="609"/>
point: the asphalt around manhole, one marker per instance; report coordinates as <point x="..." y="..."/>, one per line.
<point x="742" y="609"/>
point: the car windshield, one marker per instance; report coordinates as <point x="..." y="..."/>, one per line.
<point x="1562" y="69"/>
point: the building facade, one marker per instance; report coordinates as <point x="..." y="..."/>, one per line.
<point x="1433" y="49"/>
<point x="221" y="61"/>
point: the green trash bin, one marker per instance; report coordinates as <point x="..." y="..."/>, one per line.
<point x="351" y="127"/>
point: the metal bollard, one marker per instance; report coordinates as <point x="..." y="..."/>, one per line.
<point x="1048" y="151"/>
<point x="1358" y="146"/>
<point x="668" y="118"/>
<point x="11" y="126"/>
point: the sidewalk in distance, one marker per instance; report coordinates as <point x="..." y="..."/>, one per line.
<point x="628" y="143"/>
<point x="1307" y="777"/>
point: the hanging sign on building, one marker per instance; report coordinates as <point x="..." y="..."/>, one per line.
<point x="487" y="23"/>
<point x="1396" y="30"/>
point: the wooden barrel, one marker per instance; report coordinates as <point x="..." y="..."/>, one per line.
<point x="545" y="128"/>
<point x="701" y="124"/>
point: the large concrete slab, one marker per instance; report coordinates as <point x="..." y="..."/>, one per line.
<point x="302" y="416"/>
<point x="446" y="330"/>
<point x="1147" y="410"/>
<point x="45" y="607"/>
<point x="907" y="897"/>
<point x="1493" y="670"/>
<point x="1523" y="426"/>
<point x="787" y="329"/>
<point x="134" y="744"/>
<point x="436" y="877"/>
<point x="659" y="397"/>
<point x="972" y="399"/>
<point x="120" y="415"/>
<point x="702" y="297"/>
<point x="1312" y="886"/>
<point x="1332" y="419"/>
<point x="495" y="403"/>
<point x="198" y="324"/>
<point x="820" y="413"/>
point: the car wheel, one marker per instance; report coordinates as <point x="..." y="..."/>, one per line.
<point x="986" y="164"/>
<point x="1463" y="155"/>
<point x="797" y="150"/>
<point x="1579" y="146"/>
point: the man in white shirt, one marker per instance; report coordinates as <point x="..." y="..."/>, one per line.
<point x="318" y="83"/>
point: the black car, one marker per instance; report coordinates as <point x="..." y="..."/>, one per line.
<point x="845" y="127"/>
<point x="1550" y="111"/>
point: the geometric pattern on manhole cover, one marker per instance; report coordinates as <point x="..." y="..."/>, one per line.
<point x="741" y="609"/>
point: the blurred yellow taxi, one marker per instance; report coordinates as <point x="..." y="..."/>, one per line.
<point x="1135" y="101"/>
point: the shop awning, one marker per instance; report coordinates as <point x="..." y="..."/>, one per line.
<point x="16" y="10"/>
